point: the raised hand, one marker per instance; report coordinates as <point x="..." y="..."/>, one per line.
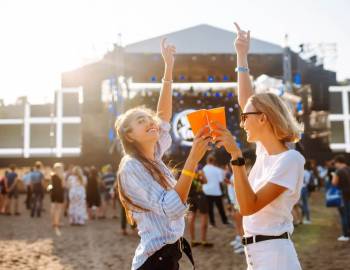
<point x="201" y="144"/>
<point x="242" y="41"/>
<point x="167" y="51"/>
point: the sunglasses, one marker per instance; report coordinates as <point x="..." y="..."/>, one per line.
<point x="244" y="116"/>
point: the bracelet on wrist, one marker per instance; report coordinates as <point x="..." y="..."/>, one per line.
<point x="242" y="69"/>
<point x="166" y="81"/>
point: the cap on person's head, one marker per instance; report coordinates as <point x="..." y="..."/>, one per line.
<point x="340" y="159"/>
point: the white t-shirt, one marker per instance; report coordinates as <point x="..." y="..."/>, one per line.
<point x="215" y="176"/>
<point x="285" y="169"/>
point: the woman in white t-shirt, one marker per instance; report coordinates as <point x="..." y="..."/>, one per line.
<point x="267" y="196"/>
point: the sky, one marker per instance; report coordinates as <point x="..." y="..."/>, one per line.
<point x="41" y="39"/>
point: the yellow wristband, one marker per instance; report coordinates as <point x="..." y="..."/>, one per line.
<point x="188" y="173"/>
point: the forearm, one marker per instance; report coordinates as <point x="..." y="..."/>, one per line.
<point x="245" y="88"/>
<point x="183" y="185"/>
<point x="164" y="109"/>
<point x="245" y="195"/>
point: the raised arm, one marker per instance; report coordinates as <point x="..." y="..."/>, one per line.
<point x="164" y="109"/>
<point x="245" y="88"/>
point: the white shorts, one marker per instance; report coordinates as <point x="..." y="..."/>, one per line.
<point x="277" y="254"/>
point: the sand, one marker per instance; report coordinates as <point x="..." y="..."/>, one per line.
<point x="31" y="243"/>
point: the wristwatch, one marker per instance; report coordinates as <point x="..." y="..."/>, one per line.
<point x="238" y="162"/>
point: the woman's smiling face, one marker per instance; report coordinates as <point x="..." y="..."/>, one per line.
<point x="251" y="122"/>
<point x="143" y="128"/>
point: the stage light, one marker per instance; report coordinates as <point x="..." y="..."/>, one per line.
<point x="153" y="78"/>
<point x="210" y="78"/>
<point x="299" y="106"/>
<point x="217" y="94"/>
<point x="150" y="93"/>
<point x="230" y="95"/>
<point x="226" y="78"/>
<point x="199" y="101"/>
<point x="297" y="79"/>
<point x="230" y="109"/>
<point x="182" y="77"/>
<point x="111" y="134"/>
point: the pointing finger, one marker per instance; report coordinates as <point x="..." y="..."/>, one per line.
<point x="237" y="27"/>
<point x="163" y="43"/>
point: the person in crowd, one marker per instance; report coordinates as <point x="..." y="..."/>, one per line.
<point x="26" y="181"/>
<point x="213" y="190"/>
<point x="67" y="173"/>
<point x="319" y="174"/>
<point x="37" y="187"/>
<point x="3" y="194"/>
<point x="77" y="197"/>
<point x="308" y="177"/>
<point x="57" y="194"/>
<point x="341" y="179"/>
<point x="267" y="196"/>
<point x="107" y="183"/>
<point x="236" y="243"/>
<point x="198" y="203"/>
<point x="123" y="217"/>
<point x="12" y="195"/>
<point x="152" y="198"/>
<point x="93" y="197"/>
<point x="330" y="171"/>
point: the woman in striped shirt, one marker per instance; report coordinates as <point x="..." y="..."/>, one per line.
<point x="153" y="199"/>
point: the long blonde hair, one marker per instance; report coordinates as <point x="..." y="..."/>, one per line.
<point x="284" y="125"/>
<point x="78" y="172"/>
<point x="122" y="126"/>
<point x="58" y="169"/>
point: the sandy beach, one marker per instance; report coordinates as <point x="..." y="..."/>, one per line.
<point x="30" y="243"/>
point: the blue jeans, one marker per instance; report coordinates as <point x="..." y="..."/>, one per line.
<point x="344" y="212"/>
<point x="305" y="203"/>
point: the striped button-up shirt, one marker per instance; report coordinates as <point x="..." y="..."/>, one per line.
<point x="164" y="222"/>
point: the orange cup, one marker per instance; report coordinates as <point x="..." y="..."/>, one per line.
<point x="201" y="118"/>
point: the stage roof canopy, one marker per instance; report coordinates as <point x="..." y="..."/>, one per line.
<point x="202" y="39"/>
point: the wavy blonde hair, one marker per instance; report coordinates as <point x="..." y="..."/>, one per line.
<point x="283" y="123"/>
